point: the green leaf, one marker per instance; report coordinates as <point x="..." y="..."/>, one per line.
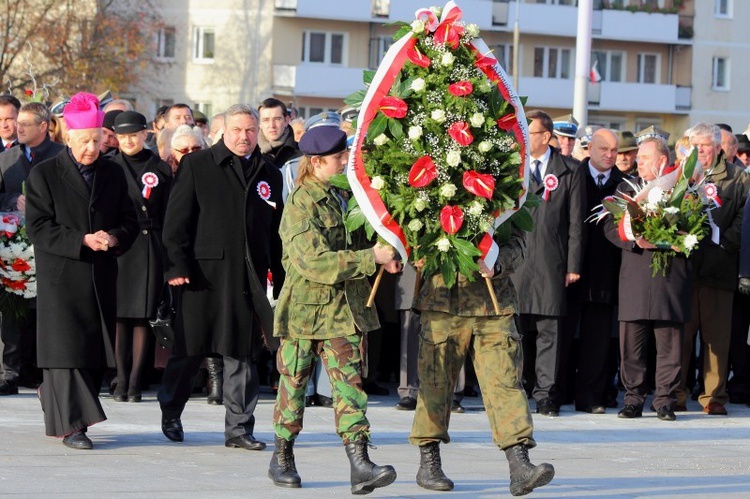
<point x="354" y="219"/>
<point x="355" y="99"/>
<point x="378" y="126"/>
<point x="448" y="272"/>
<point x="341" y="181"/>
<point x="367" y="76"/>
<point x="523" y="220"/>
<point x="402" y="31"/>
<point x="612" y="207"/>
<point x="465" y="247"/>
<point x="503" y="233"/>
<point x="523" y="99"/>
<point x="396" y="128"/>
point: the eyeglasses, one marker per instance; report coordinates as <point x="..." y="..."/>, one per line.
<point x="26" y="125"/>
<point x="186" y="150"/>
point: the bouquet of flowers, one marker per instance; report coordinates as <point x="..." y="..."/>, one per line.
<point x="670" y="212"/>
<point x="17" y="267"/>
<point x="439" y="158"/>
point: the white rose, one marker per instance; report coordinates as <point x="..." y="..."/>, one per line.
<point x="690" y="241"/>
<point x="485" y="86"/>
<point x="438" y="11"/>
<point x="447" y="59"/>
<point x="476" y="208"/>
<point x="377" y="183"/>
<point x="476" y="120"/>
<point x="453" y="158"/>
<point x="420" y="204"/>
<point x="672" y="210"/>
<point x="438" y="115"/>
<point x="655" y="195"/>
<point x="418" y="26"/>
<point x="418" y="85"/>
<point x="415" y="225"/>
<point x="448" y="190"/>
<point x="484" y="225"/>
<point x="472" y="30"/>
<point x="415" y="132"/>
<point x="443" y="244"/>
<point x="485" y="146"/>
<point x="380" y="139"/>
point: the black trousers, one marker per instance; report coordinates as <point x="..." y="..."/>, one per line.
<point x="633" y="351"/>
<point x="591" y="374"/>
<point x="540" y="353"/>
<point x="19" y="345"/>
<point x="739" y="351"/>
<point x="240" y="391"/>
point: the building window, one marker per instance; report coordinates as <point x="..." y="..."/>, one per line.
<point x="723" y="8"/>
<point x="648" y="68"/>
<point x="720" y="74"/>
<point x="610" y="64"/>
<point x="643" y="123"/>
<point x="503" y="52"/>
<point x="205" y="39"/>
<point x="557" y="2"/>
<point x="552" y="62"/>
<point x="323" y="47"/>
<point x="378" y="47"/>
<point x="611" y="122"/>
<point x="204" y="107"/>
<point x="165" y="43"/>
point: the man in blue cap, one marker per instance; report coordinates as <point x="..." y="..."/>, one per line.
<point x="565" y="128"/>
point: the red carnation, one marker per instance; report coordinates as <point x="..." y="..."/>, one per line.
<point x="507" y="122"/>
<point x="484" y="61"/>
<point x="422" y="172"/>
<point x="28" y="92"/>
<point x="461" y="89"/>
<point x="451" y="218"/>
<point x="479" y="184"/>
<point x="393" y="107"/>
<point x="460" y="132"/>
<point x="20" y="265"/>
<point x="417" y="57"/>
<point x="448" y="33"/>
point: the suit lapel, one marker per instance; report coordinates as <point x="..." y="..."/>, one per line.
<point x="71" y="176"/>
<point x="101" y="178"/>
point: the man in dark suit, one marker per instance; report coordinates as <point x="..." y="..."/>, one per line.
<point x="592" y="300"/>
<point x="9" y="106"/>
<point x="19" y="335"/>
<point x="79" y="218"/>
<point x="221" y="237"/>
<point x="553" y="258"/>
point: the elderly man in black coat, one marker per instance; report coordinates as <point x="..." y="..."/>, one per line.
<point x="79" y="218"/>
<point x="221" y="237"/>
<point x="658" y="304"/>
<point x="554" y="251"/>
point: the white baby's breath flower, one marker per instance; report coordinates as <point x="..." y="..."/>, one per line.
<point x="448" y="59"/>
<point x="690" y="241"/>
<point x="443" y="244"/>
<point x="484" y="225"/>
<point x="448" y="190"/>
<point x="476" y="208"/>
<point x="415" y="132"/>
<point x="380" y="139"/>
<point x="438" y="115"/>
<point x="418" y="84"/>
<point x="484" y="146"/>
<point x="418" y="26"/>
<point x="453" y="158"/>
<point x="672" y="210"/>
<point x="377" y="183"/>
<point x="415" y="225"/>
<point x="420" y="204"/>
<point x="472" y="30"/>
<point x="476" y="120"/>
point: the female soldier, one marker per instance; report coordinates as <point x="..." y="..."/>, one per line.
<point x="321" y="312"/>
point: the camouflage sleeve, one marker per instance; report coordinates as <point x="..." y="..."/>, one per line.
<point x="511" y="253"/>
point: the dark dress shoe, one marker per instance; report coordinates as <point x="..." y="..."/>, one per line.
<point x="78" y="440"/>
<point x="457" y="408"/>
<point x="546" y="407"/>
<point x="134" y="396"/>
<point x="630" y="411"/>
<point x="680" y="408"/>
<point x="715" y="409"/>
<point x="406" y="404"/>
<point x="592" y="409"/>
<point x="172" y="429"/>
<point x="246" y="442"/>
<point x="308" y="401"/>
<point x="372" y="388"/>
<point x="324" y="401"/>
<point x="665" y="413"/>
<point x="8" y="388"/>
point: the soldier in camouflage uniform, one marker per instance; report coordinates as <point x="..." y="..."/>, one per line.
<point x="454" y="322"/>
<point x="321" y="313"/>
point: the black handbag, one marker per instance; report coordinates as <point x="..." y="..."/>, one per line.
<point x="162" y="325"/>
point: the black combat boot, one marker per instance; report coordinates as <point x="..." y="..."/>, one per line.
<point x="282" y="469"/>
<point x="215" y="381"/>
<point x="366" y="475"/>
<point x="524" y="476"/>
<point x="430" y="474"/>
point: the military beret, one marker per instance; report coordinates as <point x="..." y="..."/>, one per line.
<point x="129" y="122"/>
<point x="743" y="143"/>
<point x="322" y="141"/>
<point x="625" y="141"/>
<point x="652" y="132"/>
<point x="567" y="126"/>
<point x="326" y="118"/>
<point x="109" y="119"/>
<point x="199" y="117"/>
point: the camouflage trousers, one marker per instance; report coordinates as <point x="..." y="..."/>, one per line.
<point x="343" y="362"/>
<point x="495" y="347"/>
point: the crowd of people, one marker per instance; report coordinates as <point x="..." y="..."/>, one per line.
<point x="225" y="218"/>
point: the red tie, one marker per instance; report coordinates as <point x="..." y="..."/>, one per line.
<point x="8" y="145"/>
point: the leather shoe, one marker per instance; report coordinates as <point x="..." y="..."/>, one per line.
<point x="546" y="407"/>
<point x="457" y="408"/>
<point x="666" y="413"/>
<point x="172" y="429"/>
<point x="406" y="404"/>
<point x="246" y="442"/>
<point x="78" y="440"/>
<point x="324" y="401"/>
<point x="680" y="408"/>
<point x="8" y="388"/>
<point x="715" y="409"/>
<point x="592" y="409"/>
<point x="630" y="411"/>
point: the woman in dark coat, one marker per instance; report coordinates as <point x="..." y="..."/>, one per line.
<point x="141" y="275"/>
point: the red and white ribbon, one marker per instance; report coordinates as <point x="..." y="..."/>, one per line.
<point x="712" y="193"/>
<point x="264" y="191"/>
<point x="150" y="180"/>
<point x="550" y="184"/>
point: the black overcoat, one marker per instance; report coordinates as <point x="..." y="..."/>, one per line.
<point x="647" y="297"/>
<point x="141" y="276"/>
<point x="76" y="287"/>
<point x="555" y="246"/>
<point x="15" y="168"/>
<point x="216" y="224"/>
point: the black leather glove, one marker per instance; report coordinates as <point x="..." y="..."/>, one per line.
<point x="744" y="285"/>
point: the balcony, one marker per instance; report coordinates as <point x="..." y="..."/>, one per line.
<point x="341" y="10"/>
<point x="313" y="80"/>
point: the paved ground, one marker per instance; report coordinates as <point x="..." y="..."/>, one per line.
<point x="594" y="456"/>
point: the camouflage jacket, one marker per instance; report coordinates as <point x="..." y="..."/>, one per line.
<point x="472" y="299"/>
<point x="326" y="285"/>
